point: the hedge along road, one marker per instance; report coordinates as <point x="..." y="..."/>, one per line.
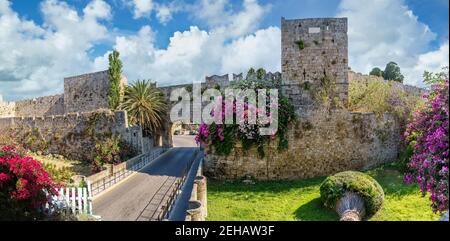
<point x="128" y="199"/>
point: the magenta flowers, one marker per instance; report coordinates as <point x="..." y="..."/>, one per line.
<point x="429" y="133"/>
<point x="24" y="185"/>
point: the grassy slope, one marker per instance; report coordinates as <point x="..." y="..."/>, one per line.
<point x="299" y="200"/>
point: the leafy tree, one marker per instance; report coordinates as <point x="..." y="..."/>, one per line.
<point x="392" y="72"/>
<point x="376" y="72"/>
<point x="251" y="74"/>
<point x="260" y="73"/>
<point x="115" y="75"/>
<point x="145" y="104"/>
<point x="430" y="78"/>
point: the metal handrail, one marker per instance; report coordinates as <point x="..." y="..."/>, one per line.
<point x="106" y="182"/>
<point x="166" y="209"/>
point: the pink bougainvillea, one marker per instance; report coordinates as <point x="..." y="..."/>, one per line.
<point x="429" y="134"/>
<point x="25" y="186"/>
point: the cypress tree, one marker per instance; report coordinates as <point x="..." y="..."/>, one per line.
<point x="115" y="74"/>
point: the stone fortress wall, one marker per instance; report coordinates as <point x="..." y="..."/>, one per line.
<point x="322" y="144"/>
<point x="324" y="141"/>
<point x="42" y="106"/>
<point x="313" y="49"/>
<point x="413" y="90"/>
<point x="72" y="135"/>
<point x="82" y="93"/>
<point x="87" y="92"/>
<point x="67" y="124"/>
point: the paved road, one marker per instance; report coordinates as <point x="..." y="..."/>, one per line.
<point x="131" y="199"/>
<point x="184" y="141"/>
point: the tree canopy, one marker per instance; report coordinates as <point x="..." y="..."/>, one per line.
<point x="392" y="72"/>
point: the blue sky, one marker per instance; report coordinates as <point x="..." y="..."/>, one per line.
<point x="181" y="41"/>
<point x="431" y="12"/>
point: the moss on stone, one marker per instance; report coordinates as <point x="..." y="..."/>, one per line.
<point x="300" y="44"/>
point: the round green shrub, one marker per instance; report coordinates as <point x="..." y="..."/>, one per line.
<point x="334" y="187"/>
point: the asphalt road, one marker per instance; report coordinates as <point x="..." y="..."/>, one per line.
<point x="184" y="141"/>
<point x="128" y="199"/>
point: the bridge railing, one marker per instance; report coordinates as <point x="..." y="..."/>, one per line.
<point x="175" y="190"/>
<point x="107" y="178"/>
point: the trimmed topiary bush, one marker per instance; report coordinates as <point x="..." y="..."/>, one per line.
<point x="352" y="191"/>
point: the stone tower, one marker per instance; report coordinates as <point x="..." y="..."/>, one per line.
<point x="312" y="49"/>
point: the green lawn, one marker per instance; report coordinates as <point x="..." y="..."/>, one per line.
<point x="300" y="200"/>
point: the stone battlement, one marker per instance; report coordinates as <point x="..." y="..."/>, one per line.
<point x="82" y="93"/>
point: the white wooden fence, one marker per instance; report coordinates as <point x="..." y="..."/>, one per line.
<point x="76" y="200"/>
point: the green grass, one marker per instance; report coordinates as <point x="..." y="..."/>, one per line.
<point x="300" y="200"/>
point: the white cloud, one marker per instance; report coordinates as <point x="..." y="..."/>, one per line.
<point x="217" y="15"/>
<point x="142" y="7"/>
<point x="162" y="11"/>
<point x="432" y="61"/>
<point x="97" y="9"/>
<point x="387" y="30"/>
<point x="164" y="14"/>
<point x="194" y="53"/>
<point x="259" y="50"/>
<point x="35" y="59"/>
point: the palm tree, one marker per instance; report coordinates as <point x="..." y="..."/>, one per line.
<point x="146" y="105"/>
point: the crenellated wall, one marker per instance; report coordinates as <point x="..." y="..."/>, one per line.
<point x="222" y="81"/>
<point x="82" y="93"/>
<point x="42" y="106"/>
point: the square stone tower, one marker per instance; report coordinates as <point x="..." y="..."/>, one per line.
<point x="88" y="92"/>
<point x="314" y="51"/>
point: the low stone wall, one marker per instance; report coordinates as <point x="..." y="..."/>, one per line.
<point x="198" y="202"/>
<point x="72" y="135"/>
<point x="323" y="144"/>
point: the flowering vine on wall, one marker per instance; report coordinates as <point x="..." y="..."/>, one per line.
<point x="428" y="135"/>
<point x="222" y="138"/>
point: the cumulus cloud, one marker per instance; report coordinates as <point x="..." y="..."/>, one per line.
<point x="164" y="14"/>
<point x="387" y="30"/>
<point x="142" y="7"/>
<point x="262" y="49"/>
<point x="194" y="53"/>
<point x="221" y="19"/>
<point x="163" y="10"/>
<point x="433" y="61"/>
<point x="35" y="58"/>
